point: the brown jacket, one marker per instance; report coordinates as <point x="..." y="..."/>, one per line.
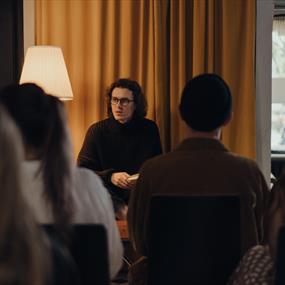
<point x="200" y="166"/>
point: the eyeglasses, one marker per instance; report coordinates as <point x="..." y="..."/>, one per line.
<point x="121" y="101"/>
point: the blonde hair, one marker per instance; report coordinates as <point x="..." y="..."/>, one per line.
<point x="23" y="260"/>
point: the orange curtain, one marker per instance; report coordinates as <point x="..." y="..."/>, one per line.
<point x="216" y="36"/>
<point x="161" y="44"/>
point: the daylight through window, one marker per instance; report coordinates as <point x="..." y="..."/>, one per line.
<point x="278" y="85"/>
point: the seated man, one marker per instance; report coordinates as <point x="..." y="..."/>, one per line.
<point x="115" y="148"/>
<point x="201" y="165"/>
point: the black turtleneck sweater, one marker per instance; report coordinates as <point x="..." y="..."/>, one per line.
<point x="110" y="146"/>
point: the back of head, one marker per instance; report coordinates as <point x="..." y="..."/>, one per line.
<point x="22" y="260"/>
<point x="40" y="118"/>
<point x="30" y="109"/>
<point x="206" y="103"/>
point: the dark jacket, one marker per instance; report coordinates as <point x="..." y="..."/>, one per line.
<point x="200" y="166"/>
<point x="110" y="146"/>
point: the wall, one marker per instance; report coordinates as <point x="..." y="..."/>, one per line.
<point x="264" y="21"/>
<point x="29" y="24"/>
<point x="11" y="39"/>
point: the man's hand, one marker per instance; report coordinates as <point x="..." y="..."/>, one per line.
<point x="120" y="179"/>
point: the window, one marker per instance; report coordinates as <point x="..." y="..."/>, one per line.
<point x="278" y="85"/>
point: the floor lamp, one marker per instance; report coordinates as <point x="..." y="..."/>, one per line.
<point x="45" y="66"/>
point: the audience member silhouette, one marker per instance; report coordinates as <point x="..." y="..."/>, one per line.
<point x="257" y="265"/>
<point x="24" y="259"/>
<point x="56" y="190"/>
<point x="200" y="165"/>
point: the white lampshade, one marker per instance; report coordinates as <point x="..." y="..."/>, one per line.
<point x="45" y="66"/>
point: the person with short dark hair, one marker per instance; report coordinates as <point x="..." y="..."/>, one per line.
<point x="115" y="148"/>
<point x="200" y="165"/>
<point x="206" y="103"/>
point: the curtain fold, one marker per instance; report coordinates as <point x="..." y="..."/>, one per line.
<point x="161" y="44"/>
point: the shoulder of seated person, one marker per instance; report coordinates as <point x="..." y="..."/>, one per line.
<point x="100" y="124"/>
<point x="246" y="162"/>
<point x="148" y="122"/>
<point x="156" y="161"/>
<point x="84" y="174"/>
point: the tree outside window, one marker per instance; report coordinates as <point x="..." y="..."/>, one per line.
<point x="278" y="86"/>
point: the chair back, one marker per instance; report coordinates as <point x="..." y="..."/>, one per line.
<point x="89" y="251"/>
<point x="280" y="258"/>
<point x="193" y="240"/>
